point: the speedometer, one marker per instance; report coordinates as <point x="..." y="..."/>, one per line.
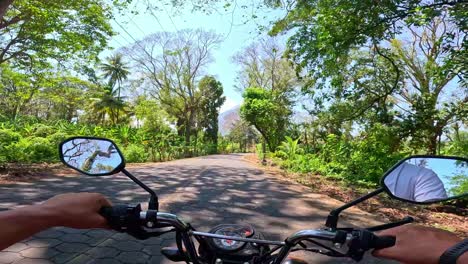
<point x="226" y="244"/>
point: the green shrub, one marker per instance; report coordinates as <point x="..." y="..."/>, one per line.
<point x="41" y="130"/>
<point x="135" y="153"/>
<point x="57" y="138"/>
<point x="8" y="138"/>
<point x="35" y="149"/>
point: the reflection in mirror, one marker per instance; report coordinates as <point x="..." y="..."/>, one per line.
<point x="92" y="156"/>
<point x="428" y="179"/>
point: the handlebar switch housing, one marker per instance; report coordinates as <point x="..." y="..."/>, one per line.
<point x="363" y="240"/>
<point x="124" y="218"/>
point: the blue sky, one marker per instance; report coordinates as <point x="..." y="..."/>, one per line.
<point x="230" y="25"/>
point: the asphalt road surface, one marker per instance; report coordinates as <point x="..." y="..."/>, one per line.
<point x="204" y="191"/>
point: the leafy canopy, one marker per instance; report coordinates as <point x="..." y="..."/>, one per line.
<point x="35" y="31"/>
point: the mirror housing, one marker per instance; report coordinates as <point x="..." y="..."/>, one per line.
<point x="426" y="179"/>
<point x="92" y="156"/>
<point x="333" y="217"/>
<point x="82" y="153"/>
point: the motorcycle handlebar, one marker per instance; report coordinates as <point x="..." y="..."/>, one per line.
<point x="384" y="242"/>
<point x="120" y="217"/>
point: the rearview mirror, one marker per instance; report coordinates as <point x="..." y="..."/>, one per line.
<point x="427" y="179"/>
<point x="91" y="156"/>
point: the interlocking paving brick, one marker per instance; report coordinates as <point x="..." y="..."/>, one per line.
<point x="133" y="257"/>
<point x="16" y="247"/>
<point x="98" y="233"/>
<point x="43" y="242"/>
<point x="127" y="246"/>
<point x="41" y="253"/>
<point x="153" y="241"/>
<point x="103" y="252"/>
<point x="122" y="237"/>
<point x="157" y="260"/>
<point x="75" y="238"/>
<point x="9" y="257"/>
<point x="72" y="230"/>
<point x="64" y="257"/>
<point x="50" y="233"/>
<point x="105" y="261"/>
<point x="33" y="261"/>
<point x="81" y="259"/>
<point x="72" y="247"/>
<point x="152" y="250"/>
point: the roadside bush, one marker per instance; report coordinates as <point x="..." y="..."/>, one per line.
<point x="359" y="160"/>
<point x="135" y="153"/>
<point x="57" y="138"/>
<point x="8" y="138"/>
<point x="41" y="130"/>
<point x="35" y="149"/>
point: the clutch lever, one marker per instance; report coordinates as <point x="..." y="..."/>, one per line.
<point x="404" y="221"/>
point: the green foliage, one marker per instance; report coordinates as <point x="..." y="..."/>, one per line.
<point x="326" y="31"/>
<point x="288" y="149"/>
<point x="360" y="160"/>
<point x="135" y="153"/>
<point x="32" y="141"/>
<point x="8" y="138"/>
<point x="244" y="135"/>
<point x="41" y="31"/>
<point x="35" y="149"/>
<point x="461" y="185"/>
<point x="210" y="103"/>
<point x="268" y="113"/>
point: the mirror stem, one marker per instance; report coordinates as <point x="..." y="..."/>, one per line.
<point x="153" y="202"/>
<point x="332" y="219"/>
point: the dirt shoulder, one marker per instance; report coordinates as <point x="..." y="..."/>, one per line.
<point x="12" y="173"/>
<point x="446" y="217"/>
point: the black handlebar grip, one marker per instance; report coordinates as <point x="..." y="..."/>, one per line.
<point x="384" y="242"/>
<point x="116" y="216"/>
<point x="106" y="212"/>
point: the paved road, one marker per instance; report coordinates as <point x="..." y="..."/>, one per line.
<point x="205" y="191"/>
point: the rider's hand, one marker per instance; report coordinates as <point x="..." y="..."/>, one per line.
<point x="417" y="244"/>
<point x="76" y="210"/>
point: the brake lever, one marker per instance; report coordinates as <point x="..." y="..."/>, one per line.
<point x="404" y="221"/>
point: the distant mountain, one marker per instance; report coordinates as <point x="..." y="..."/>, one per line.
<point x="227" y="119"/>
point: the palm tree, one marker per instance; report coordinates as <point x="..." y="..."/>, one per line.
<point x="108" y="106"/>
<point x="116" y="70"/>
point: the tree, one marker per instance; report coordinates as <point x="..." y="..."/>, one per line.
<point x="262" y="109"/>
<point x="325" y="31"/>
<point x="262" y="65"/>
<point x="39" y="32"/>
<point x="116" y="70"/>
<point x="172" y="64"/>
<point x="407" y="83"/>
<point x="150" y="116"/>
<point x="434" y="102"/>
<point x="263" y="68"/>
<point x="106" y="108"/>
<point x="243" y="134"/>
<point x="60" y="98"/>
<point x="211" y="100"/>
<point x="16" y="91"/>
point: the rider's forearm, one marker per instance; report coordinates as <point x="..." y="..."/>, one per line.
<point x="18" y="224"/>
